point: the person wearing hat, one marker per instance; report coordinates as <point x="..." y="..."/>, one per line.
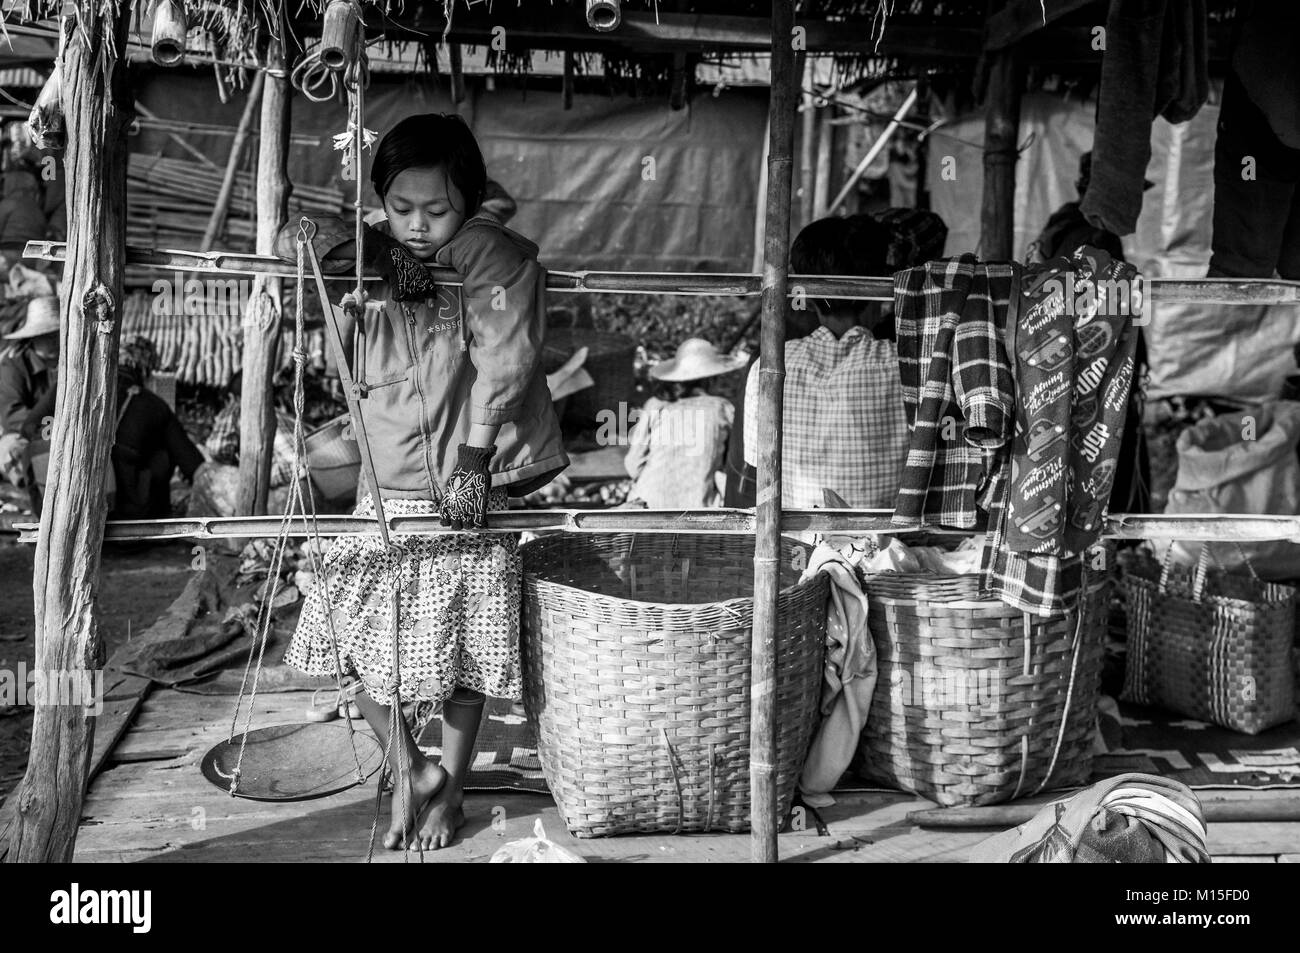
<point x="28" y="363"/>
<point x="149" y="443"/>
<point x="676" y="449"/>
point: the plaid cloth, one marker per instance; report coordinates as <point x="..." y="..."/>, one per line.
<point x="916" y="236"/>
<point x="223" y="442"/>
<point x="957" y="386"/>
<point x="844" y="428"/>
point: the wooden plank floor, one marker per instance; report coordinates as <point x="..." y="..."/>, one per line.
<point x="151" y="804"/>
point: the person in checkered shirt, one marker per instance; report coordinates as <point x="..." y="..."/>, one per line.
<point x="844" y="427"/>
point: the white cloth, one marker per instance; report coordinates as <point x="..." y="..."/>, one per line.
<point x="849" y="678"/>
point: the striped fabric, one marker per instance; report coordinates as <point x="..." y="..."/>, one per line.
<point x="844" y="427"/>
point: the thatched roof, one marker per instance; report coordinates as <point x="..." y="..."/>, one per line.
<point x="660" y="40"/>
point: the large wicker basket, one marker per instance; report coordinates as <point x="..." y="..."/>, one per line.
<point x="972" y="693"/>
<point x="636" y="652"/>
<point x="611" y="362"/>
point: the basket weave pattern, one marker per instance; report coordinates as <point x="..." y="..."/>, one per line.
<point x="636" y="653"/>
<point x="971" y="693"/>
<point x="1223" y="658"/>
<point x="611" y="359"/>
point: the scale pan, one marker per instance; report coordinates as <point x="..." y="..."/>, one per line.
<point x="293" y="762"/>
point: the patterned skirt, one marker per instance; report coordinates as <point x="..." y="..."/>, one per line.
<point x="458" y="610"/>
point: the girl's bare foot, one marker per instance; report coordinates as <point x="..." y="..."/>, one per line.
<point x="442" y="818"/>
<point x="427" y="779"/>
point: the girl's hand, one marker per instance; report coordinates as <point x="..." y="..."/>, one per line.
<point x="407" y="277"/>
<point x="464" y="504"/>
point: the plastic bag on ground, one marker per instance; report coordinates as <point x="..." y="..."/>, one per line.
<point x="535" y="850"/>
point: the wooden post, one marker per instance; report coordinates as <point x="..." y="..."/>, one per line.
<point x="767" y="529"/>
<point x="822" y="188"/>
<point x="1001" y="126"/>
<point x="807" y="143"/>
<point x="218" y="219"/>
<point x="68" y="646"/>
<point x="262" y="320"/>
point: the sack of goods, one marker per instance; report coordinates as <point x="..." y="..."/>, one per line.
<point x="1243" y="462"/>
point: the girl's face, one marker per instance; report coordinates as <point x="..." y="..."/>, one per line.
<point x="424" y="209"/>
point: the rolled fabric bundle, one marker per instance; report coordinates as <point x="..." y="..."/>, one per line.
<point x="338" y="34"/>
<point x="604" y="15"/>
<point x="1129" y="819"/>
<point x="169" y="29"/>
<point x="46" y="120"/>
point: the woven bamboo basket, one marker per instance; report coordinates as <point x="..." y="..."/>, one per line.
<point x="1210" y="645"/>
<point x="636" y="653"/>
<point x="611" y="362"/>
<point x="972" y="694"/>
<point x="335" y="459"/>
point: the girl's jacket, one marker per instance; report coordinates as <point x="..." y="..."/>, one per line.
<point x="470" y="355"/>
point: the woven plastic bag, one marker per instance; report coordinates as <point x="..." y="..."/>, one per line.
<point x="535" y="850"/>
<point x="1241" y="463"/>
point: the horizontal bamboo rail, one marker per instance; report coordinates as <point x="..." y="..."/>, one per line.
<point x="1210" y="527"/>
<point x="1160" y="290"/>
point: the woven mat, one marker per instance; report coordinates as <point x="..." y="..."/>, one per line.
<point x="505" y="754"/>
<point x="1200" y="755"/>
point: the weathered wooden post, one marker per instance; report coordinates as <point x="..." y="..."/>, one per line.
<point x="767" y="530"/>
<point x="65" y="580"/>
<point x="262" y="319"/>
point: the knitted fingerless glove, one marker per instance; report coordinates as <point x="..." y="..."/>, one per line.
<point x="464" y="503"/>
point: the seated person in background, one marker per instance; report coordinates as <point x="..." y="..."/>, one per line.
<point x="21" y="217"/>
<point x="1067" y="229"/>
<point x="150" y="442"/>
<point x="222" y="444"/>
<point x="915" y="236"/>
<point x="844" y="426"/>
<point x="28" y="364"/>
<point x="677" y="446"/>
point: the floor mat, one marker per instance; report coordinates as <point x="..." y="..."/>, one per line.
<point x="1200" y="755"/>
<point x="505" y="754"/>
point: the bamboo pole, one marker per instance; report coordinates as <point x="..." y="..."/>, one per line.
<point x="1227" y="291"/>
<point x="96" y="104"/>
<point x="822" y="187"/>
<point x="1001" y="126"/>
<point x="1189" y="528"/>
<point x="179" y="140"/>
<point x="262" y="321"/>
<point x="807" y="144"/>
<point x="232" y="165"/>
<point x="767" y="543"/>
<point x="875" y="150"/>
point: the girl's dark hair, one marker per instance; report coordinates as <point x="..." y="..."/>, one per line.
<point x="428" y="140"/>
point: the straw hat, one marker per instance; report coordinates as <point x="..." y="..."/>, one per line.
<point x="26" y="282"/>
<point x="697" y="358"/>
<point x="42" y="318"/>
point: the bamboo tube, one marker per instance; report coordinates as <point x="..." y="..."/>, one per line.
<point x="456" y="67"/>
<point x="776" y="243"/>
<point x="169" y="29"/>
<point x="567" y="81"/>
<point x="604" y="15"/>
<point x="339" y="35"/>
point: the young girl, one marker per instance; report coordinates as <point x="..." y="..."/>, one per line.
<point x="458" y="417"/>
<point x="676" y="449"/>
